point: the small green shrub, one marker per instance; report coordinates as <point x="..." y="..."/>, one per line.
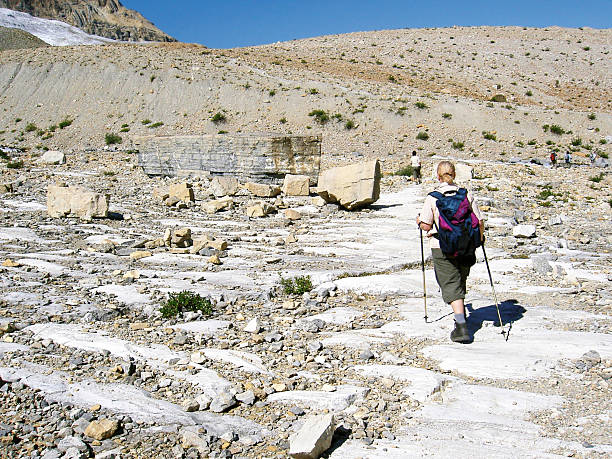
<point x="529" y="94"/>
<point x="125" y="129"/>
<point x="576" y="142"/>
<point x="422" y="135"/>
<point x="603" y="141"/>
<point x="489" y="135"/>
<point x="52" y="128"/>
<point x="14" y="164"/>
<point x="297" y="285"/>
<point x="218" y="118"/>
<point x="222" y="132"/>
<point x="146" y="121"/>
<point x="110" y="173"/>
<point x="155" y="125"/>
<point x="556" y="129"/>
<point x="447" y="116"/>
<point x="458" y="145"/>
<point x="592" y="116"/>
<point x="313" y="91"/>
<point x="603" y="154"/>
<point x="17" y="120"/>
<point x="404" y="171"/>
<point x="421" y="105"/>
<point x="185" y="301"/>
<point x="350" y="124"/>
<point x="112" y="139"/>
<point x="532" y="142"/>
<point x="283" y="120"/>
<point x="30" y="127"/>
<point x="546" y="127"/>
<point x="321" y="116"/>
<point x="610" y="202"/>
<point x="65" y="123"/>
<point x="597" y="178"/>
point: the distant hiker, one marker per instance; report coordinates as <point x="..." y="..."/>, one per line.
<point x="453" y="252"/>
<point x="568" y="158"/>
<point x="592" y="157"/>
<point x="415" y="162"/>
<point x="553" y="159"/>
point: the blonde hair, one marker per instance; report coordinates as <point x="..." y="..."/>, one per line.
<point x="446" y="172"/>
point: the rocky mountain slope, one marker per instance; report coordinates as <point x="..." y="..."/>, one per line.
<point x="11" y="38"/>
<point x="377" y="91"/>
<point x="106" y="18"/>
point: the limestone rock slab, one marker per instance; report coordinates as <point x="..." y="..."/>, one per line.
<point x="314" y="438"/>
<point x="249" y="157"/>
<point x="74" y="201"/>
<point x="353" y="186"/>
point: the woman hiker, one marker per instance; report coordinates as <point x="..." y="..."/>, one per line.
<point x="451" y="272"/>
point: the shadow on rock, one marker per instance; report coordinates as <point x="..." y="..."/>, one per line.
<point x="510" y="311"/>
<point x="341" y="435"/>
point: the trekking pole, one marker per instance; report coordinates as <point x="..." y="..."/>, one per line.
<point x="423" y="269"/>
<point x="501" y="323"/>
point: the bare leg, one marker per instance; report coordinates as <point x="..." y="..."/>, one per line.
<point x="458" y="306"/>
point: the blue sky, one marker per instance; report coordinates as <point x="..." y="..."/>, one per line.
<point x="233" y="23"/>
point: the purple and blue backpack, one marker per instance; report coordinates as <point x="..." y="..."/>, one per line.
<point x="459" y="232"/>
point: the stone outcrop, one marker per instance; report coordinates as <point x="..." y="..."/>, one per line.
<point x="53" y="157"/>
<point x="74" y="201"/>
<point x="262" y="190"/>
<point x="313" y="439"/>
<point x="105" y="18"/>
<point x="296" y="185"/>
<point x="263" y="158"/>
<point x="353" y="186"/>
<point x="224" y="186"/>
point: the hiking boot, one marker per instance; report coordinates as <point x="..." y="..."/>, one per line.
<point x="460" y="334"/>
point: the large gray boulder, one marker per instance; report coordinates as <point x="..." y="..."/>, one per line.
<point x="52" y="157"/>
<point x="74" y="201"/>
<point x="353" y="186"/>
<point x="314" y="438"/>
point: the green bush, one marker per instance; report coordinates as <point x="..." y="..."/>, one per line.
<point x="185" y="301"/>
<point x="146" y="121"/>
<point x="350" y="124"/>
<point x="155" y="125"/>
<point x="297" y="285"/>
<point x="422" y="135"/>
<point x="447" y="116"/>
<point x="556" y="129"/>
<point x="603" y="154"/>
<point x="14" y="164"/>
<point x="421" y="105"/>
<point x="597" y="178"/>
<point x="112" y="139"/>
<point x="610" y="202"/>
<point x="592" y="116"/>
<point x="489" y="135"/>
<point x="17" y="120"/>
<point x="576" y="142"/>
<point x="30" y="127"/>
<point x="404" y="171"/>
<point x="321" y="116"/>
<point x="218" y="118"/>
<point x="65" y="123"/>
<point x="283" y="120"/>
<point x="458" y="145"/>
<point x="529" y="94"/>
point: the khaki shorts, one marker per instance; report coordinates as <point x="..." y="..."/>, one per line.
<point x="451" y="276"/>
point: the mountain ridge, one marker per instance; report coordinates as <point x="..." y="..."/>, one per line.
<point x="105" y="18"/>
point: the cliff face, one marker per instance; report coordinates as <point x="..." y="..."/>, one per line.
<point x="106" y="18"/>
